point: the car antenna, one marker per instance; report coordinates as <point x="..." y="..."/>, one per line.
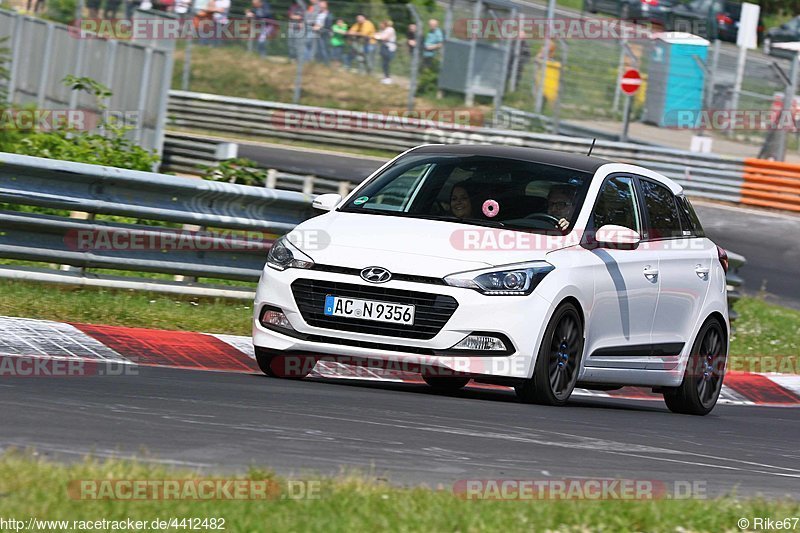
<point x="594" y="140"/>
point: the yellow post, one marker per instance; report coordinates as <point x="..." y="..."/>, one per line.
<point x="551" y="78"/>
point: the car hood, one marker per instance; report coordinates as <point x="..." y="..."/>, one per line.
<point x="416" y="246"/>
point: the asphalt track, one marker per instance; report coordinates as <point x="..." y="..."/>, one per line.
<point x="769" y="241"/>
<point x="402" y="432"/>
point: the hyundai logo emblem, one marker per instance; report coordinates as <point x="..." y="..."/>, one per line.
<point x="376" y="275"/>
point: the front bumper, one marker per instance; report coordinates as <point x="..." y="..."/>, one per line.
<point x="522" y="319"/>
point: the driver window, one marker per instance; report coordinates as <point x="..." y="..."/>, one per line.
<point x="616" y="204"/>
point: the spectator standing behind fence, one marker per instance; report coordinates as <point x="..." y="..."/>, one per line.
<point x="39" y="5"/>
<point x="411" y="38"/>
<point x="112" y="6"/>
<point x="433" y="43"/>
<point x="338" y="39"/>
<point x="181" y="7"/>
<point x="260" y="14"/>
<point x="362" y="42"/>
<point x="130" y="8"/>
<point x="309" y="37"/>
<point x="94" y="8"/>
<point x="295" y="15"/>
<point x="219" y="14"/>
<point x="321" y="32"/>
<point x="388" y="39"/>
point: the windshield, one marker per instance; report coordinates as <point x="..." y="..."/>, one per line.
<point x="479" y="190"/>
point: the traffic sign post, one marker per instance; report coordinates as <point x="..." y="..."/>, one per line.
<point x="629" y="83"/>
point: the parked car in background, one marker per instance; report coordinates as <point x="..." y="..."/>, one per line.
<point x="655" y="11"/>
<point x="711" y="19"/>
<point x="787" y="32"/>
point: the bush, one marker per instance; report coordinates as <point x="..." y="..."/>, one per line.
<point x="108" y="146"/>
<point x="239" y="170"/>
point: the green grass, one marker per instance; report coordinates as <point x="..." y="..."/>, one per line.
<point x="351" y="502"/>
<point x="767" y="336"/>
<point x="124" y="308"/>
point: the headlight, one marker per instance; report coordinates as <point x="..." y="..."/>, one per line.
<point x="283" y="254"/>
<point x="513" y="280"/>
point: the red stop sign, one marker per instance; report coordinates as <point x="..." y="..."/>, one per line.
<point x="631" y="81"/>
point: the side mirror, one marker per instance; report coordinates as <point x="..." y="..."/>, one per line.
<point x="617" y="237"/>
<point x="326" y="202"/>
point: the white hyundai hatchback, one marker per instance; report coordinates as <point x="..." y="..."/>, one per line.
<point x="530" y="268"/>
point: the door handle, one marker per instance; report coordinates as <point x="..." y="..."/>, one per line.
<point x="650" y="273"/>
<point x="702" y="272"/>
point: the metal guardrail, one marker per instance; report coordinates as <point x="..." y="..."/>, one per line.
<point x="703" y="175"/>
<point x="241" y="220"/>
<point x="158" y="198"/>
<point x="734" y="281"/>
<point x="187" y="153"/>
<point x="517" y="119"/>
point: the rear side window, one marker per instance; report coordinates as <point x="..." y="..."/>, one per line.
<point x="689" y="221"/>
<point x="662" y="211"/>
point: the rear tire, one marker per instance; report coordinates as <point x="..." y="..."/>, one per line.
<point x="448" y="384"/>
<point x="705" y="371"/>
<point x="558" y="362"/>
<point x="275" y="365"/>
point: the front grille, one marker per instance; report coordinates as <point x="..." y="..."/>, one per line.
<point x="431" y="311"/>
<point x="398" y="277"/>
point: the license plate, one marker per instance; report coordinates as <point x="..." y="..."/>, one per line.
<point x="369" y="310"/>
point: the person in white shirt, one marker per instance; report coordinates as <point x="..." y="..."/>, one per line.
<point x="388" y="39"/>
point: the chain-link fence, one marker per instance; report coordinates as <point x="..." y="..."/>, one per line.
<point x="379" y="42"/>
<point x="473" y="53"/>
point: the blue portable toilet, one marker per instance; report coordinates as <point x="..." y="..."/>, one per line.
<point x="675" y="79"/>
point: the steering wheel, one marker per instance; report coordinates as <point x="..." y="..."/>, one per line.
<point x="545" y="217"/>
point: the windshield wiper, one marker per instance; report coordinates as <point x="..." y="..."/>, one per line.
<point x="443" y="218"/>
<point x="451" y="218"/>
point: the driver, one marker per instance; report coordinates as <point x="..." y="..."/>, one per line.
<point x="560" y="201"/>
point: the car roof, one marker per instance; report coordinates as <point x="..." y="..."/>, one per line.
<point x="534" y="155"/>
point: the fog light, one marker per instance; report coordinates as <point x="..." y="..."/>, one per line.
<point x="272" y="317"/>
<point x="481" y="343"/>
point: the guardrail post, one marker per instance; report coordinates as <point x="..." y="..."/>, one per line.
<point x="344" y="188"/>
<point x="308" y="185"/>
<point x="272" y="178"/>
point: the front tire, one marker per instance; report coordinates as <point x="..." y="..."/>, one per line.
<point x="558" y="362"/>
<point x="705" y="371"/>
<point x="277" y="365"/>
